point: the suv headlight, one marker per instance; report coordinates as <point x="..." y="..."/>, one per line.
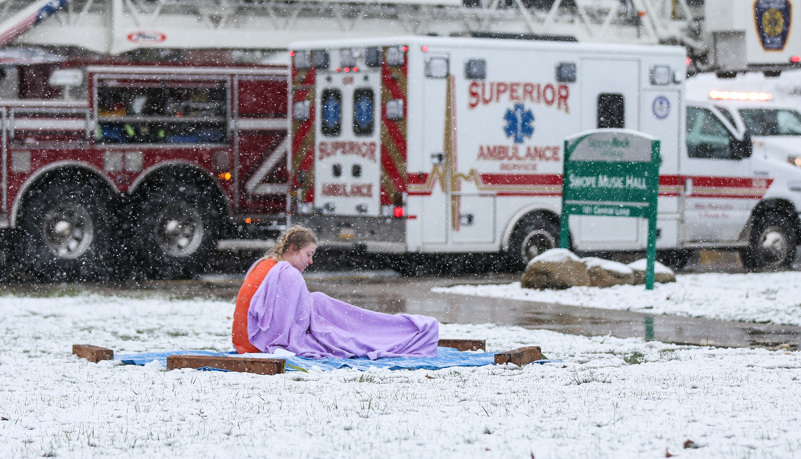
<point x="794" y="160"/>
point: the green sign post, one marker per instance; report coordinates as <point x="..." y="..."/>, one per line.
<point x="612" y="173"/>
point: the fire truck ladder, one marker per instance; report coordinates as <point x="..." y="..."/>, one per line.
<point x="117" y="26"/>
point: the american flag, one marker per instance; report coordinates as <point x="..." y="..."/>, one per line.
<point x="19" y="23"/>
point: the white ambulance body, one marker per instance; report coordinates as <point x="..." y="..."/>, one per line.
<point x="775" y="131"/>
<point x="455" y="145"/>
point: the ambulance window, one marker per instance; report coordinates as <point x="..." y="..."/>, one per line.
<point x="363" y="111"/>
<point x="771" y="122"/>
<point x="611" y="111"/>
<point x="727" y="114"/>
<point x="789" y="122"/>
<point x="331" y="112"/>
<point x="707" y="137"/>
<point x="475" y="69"/>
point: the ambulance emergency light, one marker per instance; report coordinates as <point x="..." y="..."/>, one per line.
<point x="395" y="55"/>
<point x="307" y="59"/>
<point x="301" y="110"/>
<point x="302" y="59"/>
<point x="740" y="95"/>
<point x="394" y="109"/>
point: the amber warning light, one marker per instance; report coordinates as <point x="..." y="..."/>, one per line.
<point x="740" y="95"/>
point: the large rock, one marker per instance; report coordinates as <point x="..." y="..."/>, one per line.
<point x="662" y="274"/>
<point x="555" y="269"/>
<point x="606" y="273"/>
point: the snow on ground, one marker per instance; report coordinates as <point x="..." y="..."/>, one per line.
<point x="608" y="397"/>
<point x="753" y="297"/>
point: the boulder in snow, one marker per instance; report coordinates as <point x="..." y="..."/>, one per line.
<point x="555" y="269"/>
<point x="662" y="274"/>
<point x="606" y="273"/>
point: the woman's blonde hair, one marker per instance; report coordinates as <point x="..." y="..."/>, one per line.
<point x="297" y="236"/>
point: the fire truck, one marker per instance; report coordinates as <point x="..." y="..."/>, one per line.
<point x="110" y="166"/>
<point x="455" y="145"/>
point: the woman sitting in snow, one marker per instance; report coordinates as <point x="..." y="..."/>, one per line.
<point x="274" y="310"/>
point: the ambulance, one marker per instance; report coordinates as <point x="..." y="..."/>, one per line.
<point x="455" y="145"/>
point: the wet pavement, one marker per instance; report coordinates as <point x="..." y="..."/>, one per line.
<point x="396" y="294"/>
<point x="384" y="290"/>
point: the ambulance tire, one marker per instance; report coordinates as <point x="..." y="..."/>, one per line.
<point x="175" y="230"/>
<point x="773" y="243"/>
<point x="674" y="259"/>
<point x="66" y="232"/>
<point x="533" y="235"/>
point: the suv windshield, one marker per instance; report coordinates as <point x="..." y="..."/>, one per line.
<point x="771" y="122"/>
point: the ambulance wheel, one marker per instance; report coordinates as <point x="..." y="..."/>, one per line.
<point x="772" y="246"/>
<point x="66" y="232"/>
<point x="533" y="235"/>
<point x="176" y="230"/>
<point x="674" y="259"/>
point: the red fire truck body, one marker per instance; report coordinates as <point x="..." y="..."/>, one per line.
<point x="149" y="164"/>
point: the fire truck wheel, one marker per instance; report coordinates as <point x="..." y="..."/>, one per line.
<point x="176" y="230"/>
<point x="773" y="242"/>
<point x="533" y="235"/>
<point x="66" y="233"/>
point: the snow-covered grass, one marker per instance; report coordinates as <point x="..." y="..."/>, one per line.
<point x="608" y="398"/>
<point x="763" y="297"/>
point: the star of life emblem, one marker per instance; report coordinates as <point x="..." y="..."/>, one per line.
<point x="331" y="112"/>
<point x="364" y="112"/>
<point x="518" y="123"/>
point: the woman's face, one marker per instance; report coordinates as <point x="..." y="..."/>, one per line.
<point x="300" y="258"/>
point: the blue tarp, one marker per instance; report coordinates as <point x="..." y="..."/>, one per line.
<point x="446" y="358"/>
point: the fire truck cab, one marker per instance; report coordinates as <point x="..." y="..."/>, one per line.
<point x="437" y="145"/>
<point x="109" y="166"/>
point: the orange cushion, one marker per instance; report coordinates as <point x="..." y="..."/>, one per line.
<point x="252" y="281"/>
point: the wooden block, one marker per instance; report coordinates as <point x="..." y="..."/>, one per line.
<point x="520" y="356"/>
<point x="239" y="364"/>
<point x="464" y="344"/>
<point x="92" y="353"/>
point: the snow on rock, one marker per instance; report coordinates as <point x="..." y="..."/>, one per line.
<point x="608" y="265"/>
<point x="555" y="269"/>
<point x="662" y="274"/>
<point x="607" y="273"/>
<point x="555" y="256"/>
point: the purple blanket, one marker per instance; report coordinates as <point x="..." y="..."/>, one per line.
<point x="284" y="315"/>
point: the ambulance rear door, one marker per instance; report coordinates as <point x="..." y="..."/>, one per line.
<point x="347" y="164"/>
<point x="437" y="146"/>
